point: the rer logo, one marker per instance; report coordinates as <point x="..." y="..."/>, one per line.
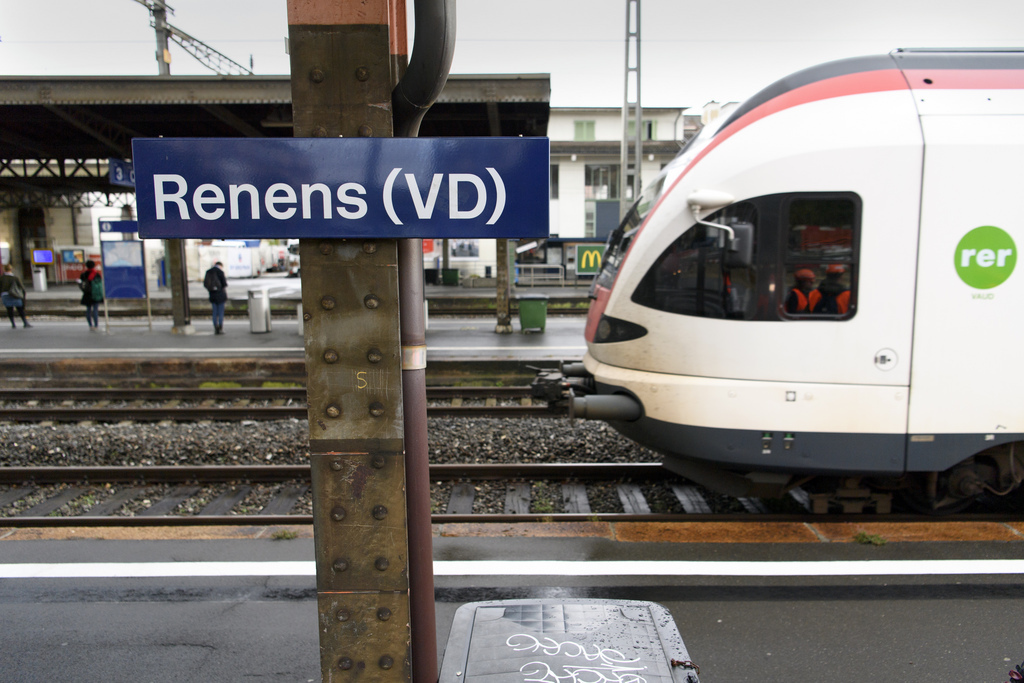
<point x="985" y="257"/>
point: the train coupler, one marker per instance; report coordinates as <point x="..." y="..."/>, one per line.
<point x="557" y="387"/>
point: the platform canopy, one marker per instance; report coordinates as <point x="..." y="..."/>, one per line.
<point x="58" y="134"/>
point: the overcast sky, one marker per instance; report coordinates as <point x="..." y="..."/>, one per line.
<point x="691" y="53"/>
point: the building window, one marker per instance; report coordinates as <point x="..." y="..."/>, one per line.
<point x="649" y="130"/>
<point x="585" y="131"/>
<point x="554" y="181"/>
<point x="601" y="181"/>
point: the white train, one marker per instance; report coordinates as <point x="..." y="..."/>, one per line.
<point x="821" y="290"/>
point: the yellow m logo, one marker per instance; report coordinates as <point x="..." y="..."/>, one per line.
<point x="589" y="259"/>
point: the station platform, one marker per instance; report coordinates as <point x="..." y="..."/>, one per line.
<point x="131" y="345"/>
<point x="63" y="299"/>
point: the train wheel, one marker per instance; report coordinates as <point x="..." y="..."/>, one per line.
<point x="929" y="495"/>
<point x="923" y="506"/>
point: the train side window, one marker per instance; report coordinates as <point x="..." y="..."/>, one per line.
<point x="820" y="261"/>
<point x="693" y="275"/>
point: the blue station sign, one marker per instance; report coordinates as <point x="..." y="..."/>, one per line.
<point x="120" y="172"/>
<point x="239" y="188"/>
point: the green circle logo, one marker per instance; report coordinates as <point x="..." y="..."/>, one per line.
<point x="985" y="257"/>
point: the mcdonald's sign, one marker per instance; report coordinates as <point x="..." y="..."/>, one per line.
<point x="589" y="258"/>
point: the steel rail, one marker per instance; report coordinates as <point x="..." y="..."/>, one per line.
<point x="236" y="413"/>
<point x="277" y="473"/>
<point x="142" y="414"/>
<point x="226" y="393"/>
<point x="223" y="474"/>
<point x="152" y="393"/>
<point x="86" y="520"/>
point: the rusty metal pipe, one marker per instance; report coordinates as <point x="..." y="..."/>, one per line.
<point x="432" y="51"/>
<point x="417" y="465"/>
<point x="420" y="86"/>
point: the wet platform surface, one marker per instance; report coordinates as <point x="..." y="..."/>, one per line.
<point x="235" y="604"/>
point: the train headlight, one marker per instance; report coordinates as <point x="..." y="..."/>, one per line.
<point x="611" y="329"/>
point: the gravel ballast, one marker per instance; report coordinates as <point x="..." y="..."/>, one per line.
<point x="450" y="441"/>
<point x="285" y="442"/>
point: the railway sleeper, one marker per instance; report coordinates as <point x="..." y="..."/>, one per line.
<point x="285" y="500"/>
<point x="632" y="499"/>
<point x="517" y="499"/>
<point x="115" y="502"/>
<point x="52" y="503"/>
<point x="521" y="498"/>
<point x="461" y="500"/>
<point x="574" y="498"/>
<point x="170" y="502"/>
<point x="222" y="504"/>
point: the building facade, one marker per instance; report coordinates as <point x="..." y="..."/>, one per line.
<point x="586" y="163"/>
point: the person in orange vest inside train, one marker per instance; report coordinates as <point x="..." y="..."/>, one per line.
<point x="831" y="297"/>
<point x="798" y="299"/>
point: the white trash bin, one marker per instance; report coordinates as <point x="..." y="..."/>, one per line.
<point x="39" y="279"/>
<point x="259" y="312"/>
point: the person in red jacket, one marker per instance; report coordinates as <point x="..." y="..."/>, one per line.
<point x="797" y="301"/>
<point x="92" y="295"/>
<point x="831" y="297"/>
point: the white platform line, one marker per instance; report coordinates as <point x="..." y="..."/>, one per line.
<point x="78" y="351"/>
<point x="505" y="348"/>
<point x="504" y="568"/>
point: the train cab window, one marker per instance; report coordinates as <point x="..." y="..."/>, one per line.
<point x="620" y="238"/>
<point x="820" y="258"/>
<point x="697" y="275"/>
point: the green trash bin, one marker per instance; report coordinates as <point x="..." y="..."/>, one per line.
<point x="450" y="276"/>
<point x="533" y="311"/>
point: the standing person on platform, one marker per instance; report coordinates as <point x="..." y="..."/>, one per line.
<point x="216" y="284"/>
<point x="12" y="292"/>
<point x="91" y="284"/>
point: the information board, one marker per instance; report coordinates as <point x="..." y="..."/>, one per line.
<point x="121" y="172"/>
<point x="124" y="227"/>
<point x="124" y="270"/>
<point x="234" y="188"/>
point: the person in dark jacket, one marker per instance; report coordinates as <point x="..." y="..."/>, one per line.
<point x="91" y="283"/>
<point x="216" y="283"/>
<point x="796" y="300"/>
<point x="12" y="292"/>
<point x="831" y="297"/>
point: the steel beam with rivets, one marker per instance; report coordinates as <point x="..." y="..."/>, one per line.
<point x="341" y="86"/>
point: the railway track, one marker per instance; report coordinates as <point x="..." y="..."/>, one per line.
<point x="235" y="404"/>
<point x="279" y="494"/>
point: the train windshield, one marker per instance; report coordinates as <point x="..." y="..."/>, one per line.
<point x="620" y="238"/>
<point x="802" y="265"/>
<point x="695" y="275"/>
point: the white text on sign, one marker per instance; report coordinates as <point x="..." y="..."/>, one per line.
<point x="468" y="196"/>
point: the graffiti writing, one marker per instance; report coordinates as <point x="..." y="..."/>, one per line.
<point x="599" y="665"/>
